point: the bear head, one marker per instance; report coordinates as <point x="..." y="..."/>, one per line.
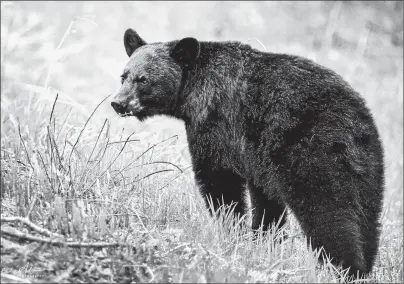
<point x="153" y="77"/>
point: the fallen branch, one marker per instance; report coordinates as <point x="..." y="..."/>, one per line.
<point x="28" y="223"/>
<point x="8" y="278"/>
<point x="8" y="231"/>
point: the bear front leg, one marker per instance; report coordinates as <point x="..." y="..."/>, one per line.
<point x="223" y="187"/>
<point x="266" y="210"/>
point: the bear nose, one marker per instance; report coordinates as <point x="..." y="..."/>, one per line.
<point x="118" y="107"/>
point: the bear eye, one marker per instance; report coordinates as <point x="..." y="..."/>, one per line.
<point x="123" y="77"/>
<point x="141" y="79"/>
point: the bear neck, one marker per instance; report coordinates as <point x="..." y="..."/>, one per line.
<point x="217" y="80"/>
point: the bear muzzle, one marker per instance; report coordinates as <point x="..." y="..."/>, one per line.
<point x="126" y="109"/>
<point x="119" y="107"/>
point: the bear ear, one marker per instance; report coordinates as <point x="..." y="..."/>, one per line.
<point x="186" y="51"/>
<point x="132" y="41"/>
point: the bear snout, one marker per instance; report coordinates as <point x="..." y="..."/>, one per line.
<point x="119" y="107"/>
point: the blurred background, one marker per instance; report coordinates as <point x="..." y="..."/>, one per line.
<point x="76" y="49"/>
<point x="83" y="41"/>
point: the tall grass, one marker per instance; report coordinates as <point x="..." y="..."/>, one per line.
<point x="70" y="165"/>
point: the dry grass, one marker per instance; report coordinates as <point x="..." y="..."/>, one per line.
<point x="71" y="166"/>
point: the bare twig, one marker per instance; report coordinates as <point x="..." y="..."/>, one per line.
<point x="104" y="149"/>
<point x="153" y="173"/>
<point x="174" y="136"/>
<point x="122" y="177"/>
<point x="123" y="141"/>
<point x="96" y="142"/>
<point x="163" y="162"/>
<point x="64" y="146"/>
<point x="51" y="135"/>
<point x="53" y="108"/>
<point x="25" y="148"/>
<point x="8" y="231"/>
<point x="28" y="223"/>
<point x="174" y="178"/>
<point x="148" y="149"/>
<point x="123" y="147"/>
<point x="151" y="163"/>
<point x="99" y="157"/>
<point x="44" y="166"/>
<point x="82" y="130"/>
<point x="73" y="148"/>
<point x="64" y="122"/>
<point x="8" y="278"/>
<point x="92" y="151"/>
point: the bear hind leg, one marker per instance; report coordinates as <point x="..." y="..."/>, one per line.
<point x="340" y="236"/>
<point x="371" y="231"/>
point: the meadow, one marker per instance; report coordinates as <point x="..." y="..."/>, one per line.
<point x="88" y="196"/>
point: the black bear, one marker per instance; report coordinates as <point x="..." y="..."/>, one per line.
<point x="294" y="131"/>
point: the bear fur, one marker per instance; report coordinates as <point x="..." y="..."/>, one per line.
<point x="294" y="131"/>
